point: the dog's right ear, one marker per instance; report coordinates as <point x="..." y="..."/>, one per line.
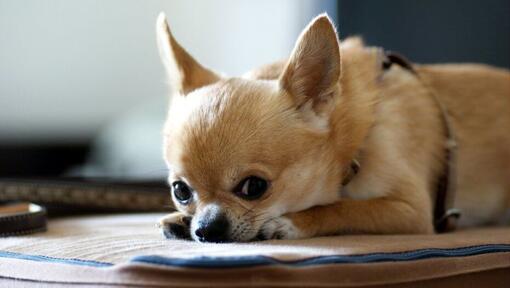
<point x="313" y="70"/>
<point x="185" y="73"/>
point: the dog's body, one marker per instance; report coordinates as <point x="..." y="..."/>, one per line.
<point x="293" y="128"/>
<point x="477" y="98"/>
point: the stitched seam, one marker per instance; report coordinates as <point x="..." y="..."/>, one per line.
<point x="260" y="260"/>
<point x="7" y="254"/>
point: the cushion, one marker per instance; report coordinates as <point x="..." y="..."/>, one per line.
<point x="118" y="250"/>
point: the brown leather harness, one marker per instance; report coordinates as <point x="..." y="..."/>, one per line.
<point x="445" y="215"/>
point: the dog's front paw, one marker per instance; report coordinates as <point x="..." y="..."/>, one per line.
<point x="279" y="228"/>
<point x="175" y="226"/>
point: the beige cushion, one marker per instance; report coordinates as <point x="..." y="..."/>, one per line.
<point x="114" y="249"/>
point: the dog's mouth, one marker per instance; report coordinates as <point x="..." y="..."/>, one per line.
<point x="245" y="232"/>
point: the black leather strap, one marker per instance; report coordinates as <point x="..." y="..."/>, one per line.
<point x="21" y="218"/>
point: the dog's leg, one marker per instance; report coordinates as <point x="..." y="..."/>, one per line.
<point x="385" y="215"/>
<point x="175" y="226"/>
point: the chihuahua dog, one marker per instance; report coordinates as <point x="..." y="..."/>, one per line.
<point x="267" y="155"/>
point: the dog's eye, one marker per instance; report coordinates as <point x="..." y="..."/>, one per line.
<point x="251" y="188"/>
<point x="182" y="192"/>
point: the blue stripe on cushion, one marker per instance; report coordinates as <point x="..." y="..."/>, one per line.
<point x="258" y="260"/>
<point x="41" y="258"/>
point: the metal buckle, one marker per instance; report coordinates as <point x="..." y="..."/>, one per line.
<point x="448" y="222"/>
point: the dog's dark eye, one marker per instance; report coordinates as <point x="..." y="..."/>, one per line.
<point x="251" y="188"/>
<point x="182" y="192"/>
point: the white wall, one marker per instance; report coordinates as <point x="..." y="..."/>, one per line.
<point x="68" y="67"/>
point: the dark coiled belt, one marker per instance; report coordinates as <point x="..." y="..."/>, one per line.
<point x="21" y="218"/>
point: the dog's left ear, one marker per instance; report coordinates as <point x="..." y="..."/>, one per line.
<point x="185" y="73"/>
<point x="313" y="71"/>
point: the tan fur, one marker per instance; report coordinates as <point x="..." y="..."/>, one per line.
<point x="299" y="124"/>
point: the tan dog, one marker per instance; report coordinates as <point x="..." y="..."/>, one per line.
<point x="264" y="156"/>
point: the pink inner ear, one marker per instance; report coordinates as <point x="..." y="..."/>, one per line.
<point x="314" y="66"/>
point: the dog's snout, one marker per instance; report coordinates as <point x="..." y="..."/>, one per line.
<point x="214" y="228"/>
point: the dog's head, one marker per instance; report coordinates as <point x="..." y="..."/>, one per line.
<point x="242" y="151"/>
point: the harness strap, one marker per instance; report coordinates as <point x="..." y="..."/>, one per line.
<point x="445" y="213"/>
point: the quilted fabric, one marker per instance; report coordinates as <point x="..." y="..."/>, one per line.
<point x="129" y="249"/>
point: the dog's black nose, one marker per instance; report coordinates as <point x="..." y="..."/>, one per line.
<point x="214" y="228"/>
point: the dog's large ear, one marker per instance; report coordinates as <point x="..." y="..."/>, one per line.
<point x="313" y="71"/>
<point x="185" y="73"/>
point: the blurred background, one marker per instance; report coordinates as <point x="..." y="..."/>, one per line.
<point x="83" y="92"/>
